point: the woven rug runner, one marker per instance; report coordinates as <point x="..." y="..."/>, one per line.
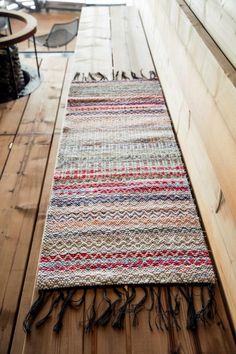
<point x="121" y="211"/>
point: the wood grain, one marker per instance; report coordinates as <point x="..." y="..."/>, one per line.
<point x="5" y="147"/>
<point x="128" y="41"/>
<point x="220" y="224"/>
<point x="117" y="339"/>
<point x="156" y="340"/>
<point x="184" y="57"/>
<point x="137" y="44"/>
<point x="12" y="112"/>
<point x="20" y="190"/>
<point x="182" y="341"/>
<point x="29" y="290"/>
<point x="39" y="115"/>
<point x="95" y="26"/>
<point x="93" y="47"/>
<point x="219" y="19"/>
<point x="120" y="55"/>
<point x="217" y="338"/>
<point x="90" y="337"/>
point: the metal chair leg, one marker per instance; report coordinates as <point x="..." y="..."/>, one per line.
<point x="36" y="56"/>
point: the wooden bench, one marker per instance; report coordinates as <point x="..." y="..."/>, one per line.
<point x="109" y="40"/>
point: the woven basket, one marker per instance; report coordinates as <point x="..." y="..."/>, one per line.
<point x="7" y="89"/>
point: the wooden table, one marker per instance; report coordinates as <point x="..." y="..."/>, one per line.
<point x="27" y="32"/>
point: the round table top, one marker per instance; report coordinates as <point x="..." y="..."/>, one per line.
<point x="29" y="29"/>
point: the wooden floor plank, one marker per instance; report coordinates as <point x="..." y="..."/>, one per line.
<point x="52" y="343"/>
<point x="217" y="338"/>
<point x="139" y="53"/>
<point x="117" y="338"/>
<point x="94" y="29"/>
<point x="20" y="190"/>
<point x="93" y="47"/>
<point x="143" y="339"/>
<point x="12" y="112"/>
<point x="63" y="98"/>
<point x="45" y="340"/>
<point x="5" y="146"/>
<point x="90" y="337"/>
<point x="30" y="279"/>
<point x="29" y="290"/>
<point x="39" y="115"/>
<point x="217" y="224"/>
<point x="120" y="53"/>
<point x="128" y="41"/>
<point x="182" y="341"/>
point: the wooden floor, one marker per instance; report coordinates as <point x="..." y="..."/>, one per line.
<point x="109" y="40"/>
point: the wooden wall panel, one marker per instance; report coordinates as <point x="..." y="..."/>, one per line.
<point x="219" y="18"/>
<point x="200" y="88"/>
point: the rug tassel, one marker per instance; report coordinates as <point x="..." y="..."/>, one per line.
<point x="209" y="311"/>
<point x="58" y="326"/>
<point x="139" y="306"/>
<point x="164" y="307"/>
<point x="77" y="303"/>
<point x="206" y="312"/>
<point x="134" y="76"/>
<point x="124" y="76"/>
<point x="203" y="305"/>
<point x="153" y="75"/>
<point x="76" y="77"/>
<point x="174" y="312"/>
<point x="117" y="75"/>
<point x="35" y="309"/>
<point x="90" y="75"/>
<point x="55" y="302"/>
<point x="150" y="309"/>
<point x="106" y="316"/>
<point x="119" y="321"/>
<point x="191" y="312"/>
<point x="161" y="313"/>
<point x="91" y="315"/>
<point x="142" y="74"/>
<point x="210" y="308"/>
<point x="102" y="77"/>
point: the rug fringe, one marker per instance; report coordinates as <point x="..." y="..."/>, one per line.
<point x="107" y="315"/>
<point x="161" y="303"/>
<point x="118" y="75"/>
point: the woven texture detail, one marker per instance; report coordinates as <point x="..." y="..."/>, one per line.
<point x="121" y="210"/>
